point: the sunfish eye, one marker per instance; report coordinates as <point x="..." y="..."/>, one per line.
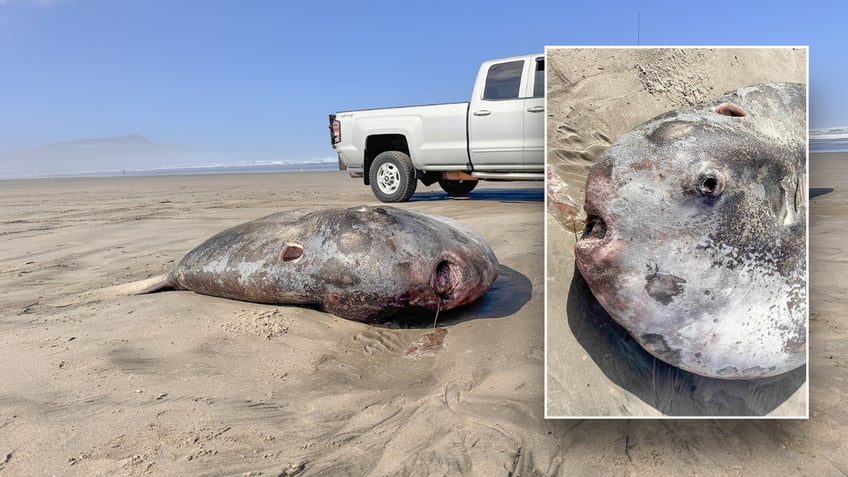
<point x="710" y="183"/>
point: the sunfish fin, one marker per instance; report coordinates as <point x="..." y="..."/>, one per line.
<point x="140" y="287"/>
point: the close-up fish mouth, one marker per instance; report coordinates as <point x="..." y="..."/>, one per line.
<point x="445" y="278"/>
<point x="595" y="228"/>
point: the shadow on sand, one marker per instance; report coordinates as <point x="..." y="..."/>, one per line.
<point x="502" y="195"/>
<point x="815" y="192"/>
<point x="670" y="390"/>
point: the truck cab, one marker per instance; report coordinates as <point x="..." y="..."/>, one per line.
<point x="497" y="135"/>
<point x="506" y="121"/>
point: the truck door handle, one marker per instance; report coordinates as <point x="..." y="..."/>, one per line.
<point x="482" y="112"/>
<point x="536" y="109"/>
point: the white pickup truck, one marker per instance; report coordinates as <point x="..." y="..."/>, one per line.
<point x="498" y="135"/>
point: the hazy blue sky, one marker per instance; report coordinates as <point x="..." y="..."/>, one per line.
<point x="256" y="79"/>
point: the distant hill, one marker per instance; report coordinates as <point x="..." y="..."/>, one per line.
<point x="92" y="155"/>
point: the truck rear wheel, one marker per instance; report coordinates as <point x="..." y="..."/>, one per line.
<point x="459" y="187"/>
<point x="392" y="177"/>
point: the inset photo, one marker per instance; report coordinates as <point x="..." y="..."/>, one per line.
<point x="676" y="232"/>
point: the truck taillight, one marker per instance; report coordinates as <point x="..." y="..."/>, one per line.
<point x="337" y="131"/>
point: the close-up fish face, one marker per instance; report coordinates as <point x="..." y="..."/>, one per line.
<point x="695" y="236"/>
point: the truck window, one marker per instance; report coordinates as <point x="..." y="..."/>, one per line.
<point x="539" y="80"/>
<point x="503" y="80"/>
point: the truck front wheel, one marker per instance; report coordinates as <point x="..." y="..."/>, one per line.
<point x="392" y="177"/>
<point x="460" y="187"/>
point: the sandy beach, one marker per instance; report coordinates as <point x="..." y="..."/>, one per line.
<point x="176" y="383"/>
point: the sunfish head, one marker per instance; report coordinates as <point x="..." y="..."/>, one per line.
<point x="695" y="242"/>
<point x="404" y="260"/>
<point x="451" y="264"/>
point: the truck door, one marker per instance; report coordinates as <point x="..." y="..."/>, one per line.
<point x="496" y="120"/>
<point x="534" y="115"/>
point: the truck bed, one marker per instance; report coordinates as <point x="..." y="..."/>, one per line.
<point x="439" y="132"/>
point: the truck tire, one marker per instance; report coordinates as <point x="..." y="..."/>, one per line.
<point x="457" y="187"/>
<point x="392" y="177"/>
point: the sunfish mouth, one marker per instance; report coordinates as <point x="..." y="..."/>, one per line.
<point x="456" y="283"/>
<point x="595" y="228"/>
<point x="600" y="192"/>
<point x="446" y="278"/>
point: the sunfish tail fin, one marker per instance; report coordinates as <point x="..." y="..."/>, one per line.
<point x="140" y="287"/>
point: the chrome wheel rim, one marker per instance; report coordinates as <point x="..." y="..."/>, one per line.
<point x="388" y="178"/>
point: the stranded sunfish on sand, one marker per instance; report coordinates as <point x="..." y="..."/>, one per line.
<point x="363" y="263"/>
<point x="695" y="240"/>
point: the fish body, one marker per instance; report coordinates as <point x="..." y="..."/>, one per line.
<point x="362" y="263"/>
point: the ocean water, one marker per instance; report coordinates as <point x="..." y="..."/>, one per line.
<point x="821" y="140"/>
<point x="829" y="140"/>
<point x="234" y="168"/>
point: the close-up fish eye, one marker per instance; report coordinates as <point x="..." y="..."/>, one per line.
<point x="710" y="184"/>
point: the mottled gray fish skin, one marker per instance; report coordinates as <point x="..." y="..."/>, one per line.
<point x="695" y="239"/>
<point x="363" y="263"/>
